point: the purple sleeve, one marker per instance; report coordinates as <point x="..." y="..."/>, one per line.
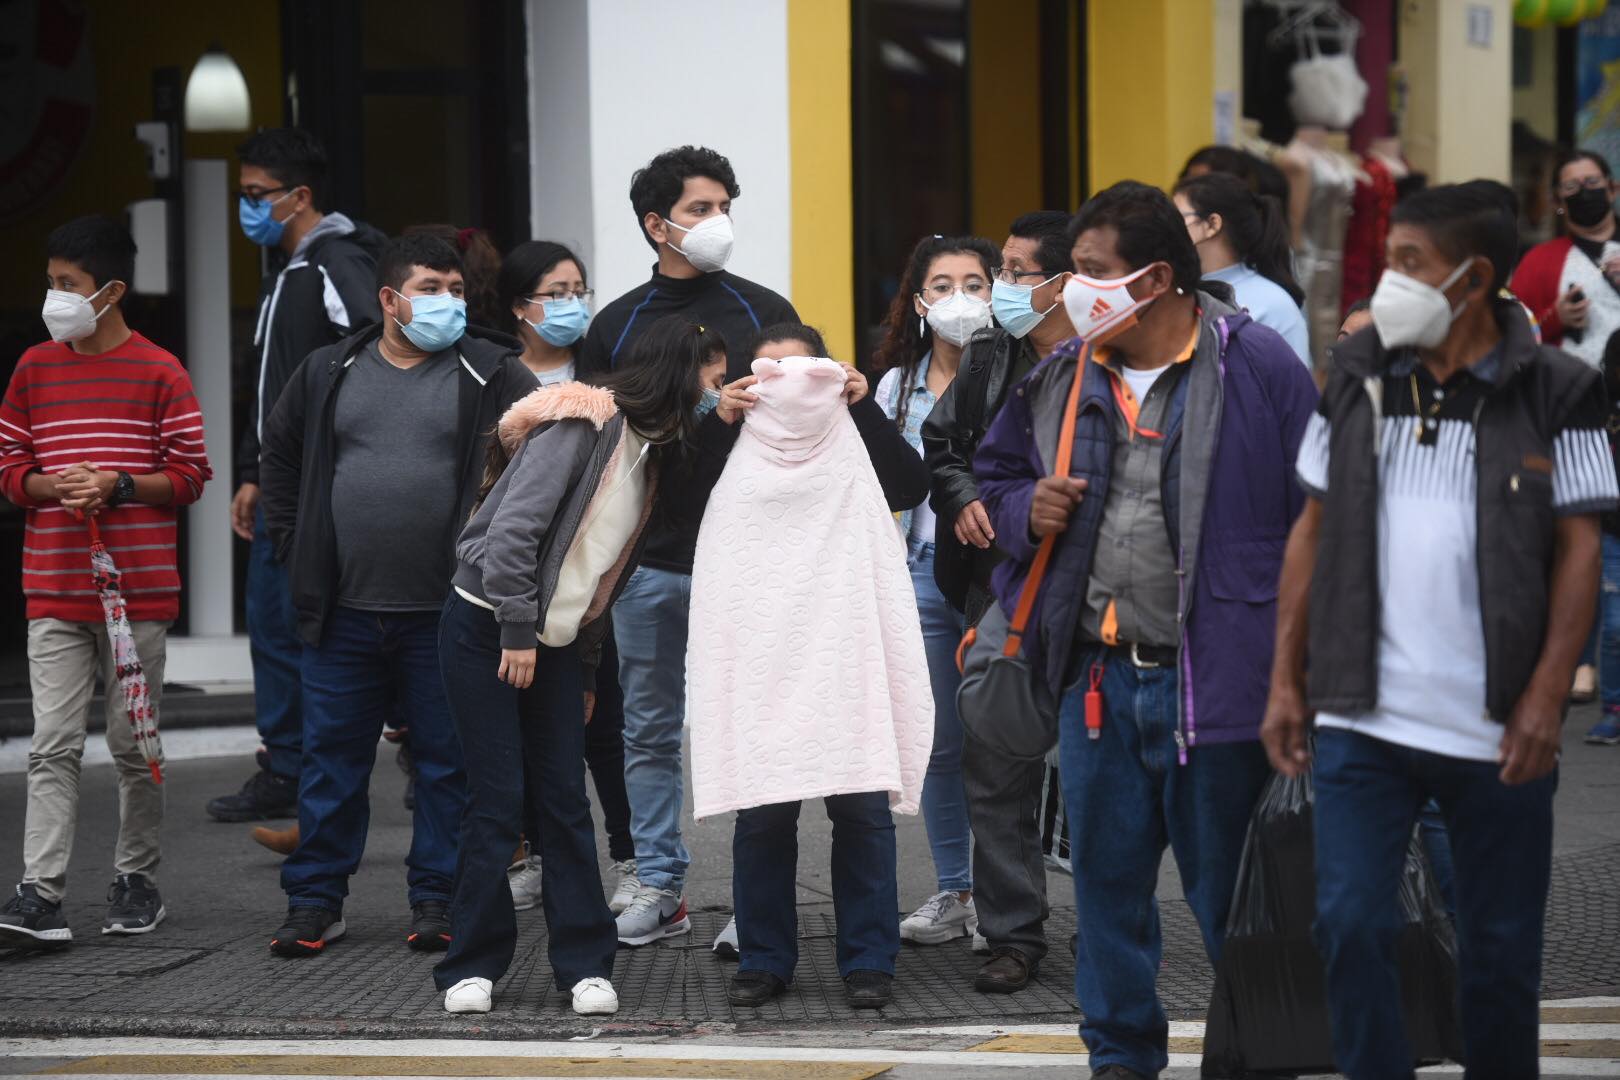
<point x="1297" y="401"/>
<point x="1007" y="465"/>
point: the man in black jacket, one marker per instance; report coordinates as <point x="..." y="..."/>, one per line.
<point x="1004" y="795"/>
<point x="371" y="461"/>
<point x="1443" y="574"/>
<point x="682" y="201"/>
<point x="320" y="288"/>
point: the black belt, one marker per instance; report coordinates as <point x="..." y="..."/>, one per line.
<point x="1146" y="656"/>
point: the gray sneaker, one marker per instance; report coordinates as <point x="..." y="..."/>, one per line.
<point x="943" y="917"/>
<point x="524" y="878"/>
<point x="626" y="886"/>
<point x="29" y="921"/>
<point x="133" y="906"/>
<point x="653" y="914"/>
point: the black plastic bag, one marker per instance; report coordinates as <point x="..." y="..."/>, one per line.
<point x="1269" y="1009"/>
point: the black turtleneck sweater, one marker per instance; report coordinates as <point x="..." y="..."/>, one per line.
<point x="738" y="309"/>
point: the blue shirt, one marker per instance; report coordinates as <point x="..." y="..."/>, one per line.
<point x="1269" y="305"/>
<point x="918" y="523"/>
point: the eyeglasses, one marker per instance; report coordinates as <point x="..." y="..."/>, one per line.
<point x="940" y="291"/>
<point x="1009" y="276"/>
<point x="561" y="294"/>
<point x="255" y="194"/>
<point x="1591" y="183"/>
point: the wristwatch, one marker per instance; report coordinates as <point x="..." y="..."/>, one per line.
<point x="123" y="491"/>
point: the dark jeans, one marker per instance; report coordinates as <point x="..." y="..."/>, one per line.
<point x="604" y="755"/>
<point x="522" y="747"/>
<point x="866" y="895"/>
<point x="1009" y="866"/>
<point x="1367" y="796"/>
<point x="1126" y="798"/>
<point x="273" y="645"/>
<point x="365" y="662"/>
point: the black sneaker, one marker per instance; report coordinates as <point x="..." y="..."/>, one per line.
<point x="751" y="989"/>
<point x="869" y="989"/>
<point x="29" y="921"/>
<point x="1117" y="1072"/>
<point x="430" y="926"/>
<point x="133" y="906"/>
<point x="264" y="796"/>
<point x="307" y="931"/>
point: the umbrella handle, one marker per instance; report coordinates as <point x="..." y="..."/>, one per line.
<point x="157" y="773"/>
<point x="95" y="530"/>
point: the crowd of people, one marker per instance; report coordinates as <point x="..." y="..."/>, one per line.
<point x="525" y="539"/>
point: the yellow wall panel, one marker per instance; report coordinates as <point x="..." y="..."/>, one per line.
<point x="1004" y="73"/>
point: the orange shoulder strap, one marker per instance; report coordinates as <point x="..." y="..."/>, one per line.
<point x="1037" y="569"/>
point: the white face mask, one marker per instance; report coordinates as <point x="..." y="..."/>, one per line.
<point x="958" y="317"/>
<point x="1102" y="307"/>
<point x="69" y="316"/>
<point x="1409" y="312"/>
<point x="708" y="243"/>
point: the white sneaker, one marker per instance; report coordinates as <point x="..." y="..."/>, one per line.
<point x="469" y="995"/>
<point x="626" y="886"/>
<point x="725" y="942"/>
<point x="524" y="877"/>
<point x="943" y="917"/>
<point x="653" y="914"/>
<point x="981" y="944"/>
<point x="595" y="997"/>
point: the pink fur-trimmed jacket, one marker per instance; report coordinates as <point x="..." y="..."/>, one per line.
<point x="566" y="442"/>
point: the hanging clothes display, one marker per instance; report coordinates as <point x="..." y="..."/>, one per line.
<point x="1370" y="206"/>
<point x="1320" y="258"/>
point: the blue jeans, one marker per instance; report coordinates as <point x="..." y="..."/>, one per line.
<point x="1608" y="625"/>
<point x="1126" y="798"/>
<point x="1437" y="846"/>
<point x="366" y="662"/>
<point x="273" y="644"/>
<point x="944" y="799"/>
<point x="765" y="859"/>
<point x="507" y="735"/>
<point x="649" y="626"/>
<point x="1367" y="795"/>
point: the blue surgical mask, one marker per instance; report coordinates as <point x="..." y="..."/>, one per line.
<point x="564" y="323"/>
<point x="1014" y="306"/>
<point x="257" y="222"/>
<point x="437" y="320"/>
<point x="706" y="403"/>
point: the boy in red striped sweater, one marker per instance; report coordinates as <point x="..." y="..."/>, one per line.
<point x="96" y="421"/>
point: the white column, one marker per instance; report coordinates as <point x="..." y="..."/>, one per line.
<point x="209" y="580"/>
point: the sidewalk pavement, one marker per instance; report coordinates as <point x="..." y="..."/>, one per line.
<point x="207" y="971"/>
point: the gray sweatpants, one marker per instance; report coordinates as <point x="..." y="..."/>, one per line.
<point x="63" y="658"/>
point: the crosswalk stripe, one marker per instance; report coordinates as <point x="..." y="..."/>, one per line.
<point x="1565" y="1043"/>
<point x="380" y="1065"/>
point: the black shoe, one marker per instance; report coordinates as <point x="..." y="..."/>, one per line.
<point x="264" y="796"/>
<point x="29" y="921"/>
<point x="307" y="931"/>
<point x="1118" y="1072"/>
<point x="430" y="926"/>
<point x="869" y="989"/>
<point x="133" y="906"/>
<point x="261" y="756"/>
<point x="751" y="989"/>
<point x="1006" y="972"/>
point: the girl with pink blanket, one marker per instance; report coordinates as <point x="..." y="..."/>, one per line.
<point x="806" y="676"/>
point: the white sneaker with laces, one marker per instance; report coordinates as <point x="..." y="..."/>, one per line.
<point x="943" y="917"/>
<point x="653" y="914"/>
<point x="469" y="995"/>
<point x="524" y="878"/>
<point x="595" y="997"/>
<point x="981" y="944"/>
<point x="626" y="886"/>
<point x="725" y="942"/>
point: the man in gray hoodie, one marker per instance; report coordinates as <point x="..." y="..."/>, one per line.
<point x="321" y="286"/>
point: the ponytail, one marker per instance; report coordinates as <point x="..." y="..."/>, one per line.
<point x="1254" y="225"/>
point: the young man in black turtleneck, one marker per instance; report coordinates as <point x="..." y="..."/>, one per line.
<point x="683" y="202"/>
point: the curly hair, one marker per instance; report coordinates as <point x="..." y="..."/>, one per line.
<point x="656" y="187"/>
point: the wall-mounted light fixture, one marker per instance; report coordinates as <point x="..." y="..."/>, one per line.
<point x="217" y="94"/>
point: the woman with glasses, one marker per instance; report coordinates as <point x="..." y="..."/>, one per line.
<point x="943" y="300"/>
<point x="1572" y="283"/>
<point x="548" y="306"/>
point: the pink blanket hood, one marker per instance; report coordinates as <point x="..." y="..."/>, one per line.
<point x="805" y="671"/>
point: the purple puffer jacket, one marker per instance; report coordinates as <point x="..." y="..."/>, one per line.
<point x="1230" y="498"/>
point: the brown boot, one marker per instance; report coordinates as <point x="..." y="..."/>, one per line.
<point x="280" y="841"/>
<point x="1007" y="972"/>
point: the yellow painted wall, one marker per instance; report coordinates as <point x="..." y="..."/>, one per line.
<point x="1004" y="107"/>
<point x="1150" y="85"/>
<point x="818" y="52"/>
<point x="1443" y="69"/>
<point x="129" y="42"/>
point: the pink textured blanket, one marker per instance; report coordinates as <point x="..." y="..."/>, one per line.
<point x="805" y="672"/>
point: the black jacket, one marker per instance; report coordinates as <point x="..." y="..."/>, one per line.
<point x="736" y="307"/>
<point x="299" y="456"/>
<point x="1536" y="388"/>
<point x="324" y="292"/>
<point x="951" y="433"/>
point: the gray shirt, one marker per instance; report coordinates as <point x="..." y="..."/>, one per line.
<point x="394" y="481"/>
<point x="1133" y="568"/>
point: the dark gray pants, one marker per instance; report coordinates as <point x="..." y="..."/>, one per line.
<point x="1009" y="867"/>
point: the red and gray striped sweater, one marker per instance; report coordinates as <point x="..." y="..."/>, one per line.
<point x="131" y="408"/>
